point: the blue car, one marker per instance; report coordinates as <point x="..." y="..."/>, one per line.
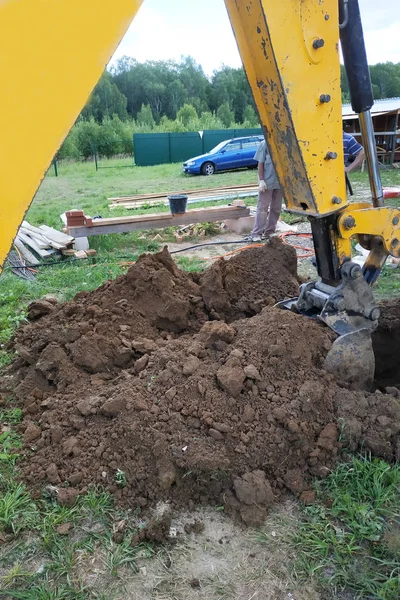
<point x="237" y="153"/>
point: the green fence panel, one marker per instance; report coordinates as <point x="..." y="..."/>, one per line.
<point x="212" y="137"/>
<point x="151" y="149"/>
<point x="162" y="148"/>
<point x="248" y="131"/>
<point x="185" y="145"/>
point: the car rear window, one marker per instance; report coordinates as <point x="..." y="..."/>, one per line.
<point x="232" y="146"/>
<point x="251" y="143"/>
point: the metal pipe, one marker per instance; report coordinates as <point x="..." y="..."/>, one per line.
<point x="346" y="15"/>
<point x="368" y="138"/>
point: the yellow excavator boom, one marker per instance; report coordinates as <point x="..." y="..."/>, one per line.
<point x="52" y="53"/>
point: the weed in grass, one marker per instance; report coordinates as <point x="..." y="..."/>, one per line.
<point x="17" y="576"/>
<point x="120" y="555"/>
<point x="53" y="516"/>
<point x="47" y="591"/>
<point x="11" y="416"/>
<point x="364" y="493"/>
<point x="190" y="264"/>
<point x="63" y="559"/>
<point x="5" y="358"/>
<point x="17" y="510"/>
<point x="21" y="550"/>
<point x="120" y="478"/>
<point x="9" y="441"/>
<point x="97" y="503"/>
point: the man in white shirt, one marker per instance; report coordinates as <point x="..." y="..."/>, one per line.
<point x="270" y="197"/>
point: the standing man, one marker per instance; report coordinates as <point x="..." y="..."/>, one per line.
<point x="352" y="149"/>
<point x="270" y="197"/>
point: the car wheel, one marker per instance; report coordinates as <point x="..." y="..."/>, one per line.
<point x="207" y="169"/>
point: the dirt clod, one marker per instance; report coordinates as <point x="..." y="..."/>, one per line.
<point x="64" y="529"/>
<point x="67" y="496"/>
<point x="32" y="433"/>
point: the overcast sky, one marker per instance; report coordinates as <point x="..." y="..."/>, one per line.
<point x="167" y="30"/>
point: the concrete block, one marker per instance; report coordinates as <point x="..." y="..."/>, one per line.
<point x="242" y="225"/>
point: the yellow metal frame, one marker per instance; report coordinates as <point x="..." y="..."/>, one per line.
<point x="288" y="76"/>
<point x="52" y="53"/>
<point x="361" y="219"/>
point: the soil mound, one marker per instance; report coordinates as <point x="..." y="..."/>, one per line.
<point x="158" y="404"/>
<point x="240" y="287"/>
<point x="99" y="333"/>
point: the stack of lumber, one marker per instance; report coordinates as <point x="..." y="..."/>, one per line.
<point x="202" y="195"/>
<point x="36" y="243"/>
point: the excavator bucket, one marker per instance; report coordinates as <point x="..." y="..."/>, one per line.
<point x="352" y="359"/>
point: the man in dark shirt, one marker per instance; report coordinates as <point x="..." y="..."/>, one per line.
<point x="352" y="149"/>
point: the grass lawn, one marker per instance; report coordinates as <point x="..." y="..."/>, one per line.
<point x="346" y="546"/>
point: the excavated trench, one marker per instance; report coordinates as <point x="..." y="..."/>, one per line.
<point x="163" y="375"/>
<point x="386" y="344"/>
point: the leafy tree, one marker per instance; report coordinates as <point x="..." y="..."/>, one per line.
<point x="105" y="101"/>
<point x="186" y="114"/>
<point x="145" y="116"/>
<point x="250" y="117"/>
<point x="225" y="114"/>
<point x="385" y="78"/>
<point x="86" y="134"/>
<point x="230" y="86"/>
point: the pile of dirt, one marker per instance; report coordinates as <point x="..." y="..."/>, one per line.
<point x="106" y="330"/>
<point x="166" y="397"/>
<point x="253" y="279"/>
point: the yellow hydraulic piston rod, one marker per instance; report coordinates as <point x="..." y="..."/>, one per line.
<point x="52" y="53"/>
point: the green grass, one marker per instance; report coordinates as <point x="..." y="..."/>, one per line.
<point x="17" y="511"/>
<point x="80" y="186"/>
<point x="11" y="416"/>
<point x="343" y="540"/>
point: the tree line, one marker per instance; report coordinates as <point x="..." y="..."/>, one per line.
<point x="170" y="96"/>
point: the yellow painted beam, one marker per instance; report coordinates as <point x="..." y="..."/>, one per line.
<point x="52" y="53"/>
<point x="289" y="68"/>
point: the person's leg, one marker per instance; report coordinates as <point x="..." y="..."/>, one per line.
<point x="274" y="211"/>
<point x="264" y="200"/>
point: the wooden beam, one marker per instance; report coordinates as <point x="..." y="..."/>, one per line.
<point x="165" y="195"/>
<point x="31" y="242"/>
<point x="57" y="236"/>
<point x="253" y="191"/>
<point x="25" y="253"/>
<point x="159" y="221"/>
<point x="39" y="239"/>
<point x="40" y="235"/>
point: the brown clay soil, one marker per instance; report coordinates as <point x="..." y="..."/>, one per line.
<point x="194" y="386"/>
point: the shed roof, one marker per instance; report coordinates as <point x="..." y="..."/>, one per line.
<point x="380" y="106"/>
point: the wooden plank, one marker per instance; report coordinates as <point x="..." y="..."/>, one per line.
<point x="57" y="236"/>
<point x="39" y="239"/>
<point x="25" y="253"/>
<point x="28" y="241"/>
<point x="225" y="196"/>
<point x="124" y="224"/>
<point x="187" y="192"/>
<point x="205" y="214"/>
<point x="40" y="235"/>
